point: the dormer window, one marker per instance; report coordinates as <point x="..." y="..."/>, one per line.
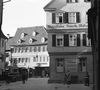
<point x="22" y="35"/>
<point x="42" y="39"/>
<point x="19" y="41"/>
<point x="30" y="40"/>
<point x="34" y="33"/>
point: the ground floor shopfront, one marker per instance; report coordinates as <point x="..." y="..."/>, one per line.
<point x="78" y="65"/>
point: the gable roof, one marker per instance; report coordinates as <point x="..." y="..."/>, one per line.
<point x="55" y="5"/>
<point x="28" y="34"/>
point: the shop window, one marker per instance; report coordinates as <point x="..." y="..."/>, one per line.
<point x="60" y="64"/>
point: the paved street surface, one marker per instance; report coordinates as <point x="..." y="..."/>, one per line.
<point x="41" y="84"/>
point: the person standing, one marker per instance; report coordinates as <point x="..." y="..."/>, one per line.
<point x="24" y="75"/>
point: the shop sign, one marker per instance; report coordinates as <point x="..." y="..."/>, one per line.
<point x="68" y="26"/>
<point x="71" y="65"/>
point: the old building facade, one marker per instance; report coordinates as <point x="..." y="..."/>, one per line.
<point x="68" y="44"/>
<point x="29" y="49"/>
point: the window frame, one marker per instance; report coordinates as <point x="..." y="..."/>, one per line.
<point x="61" y="68"/>
<point x="59" y="43"/>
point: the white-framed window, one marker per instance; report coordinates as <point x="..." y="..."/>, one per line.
<point x="19" y="41"/>
<point x="72" y="39"/>
<point x="42" y="39"/>
<point x="22" y="35"/>
<point x="30" y="40"/>
<point x="59" y="40"/>
<point x="59" y="17"/>
<point x="73" y="17"/>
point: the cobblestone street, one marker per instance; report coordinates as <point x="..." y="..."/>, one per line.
<point x="41" y="84"/>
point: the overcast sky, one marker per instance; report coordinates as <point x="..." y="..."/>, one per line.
<point x="23" y="13"/>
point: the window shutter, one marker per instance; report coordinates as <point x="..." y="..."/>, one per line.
<point x="66" y="40"/>
<point x="65" y="17"/>
<point x="53" y="18"/>
<point x="78" y="17"/>
<point x="84" y="40"/>
<point x="54" y="40"/>
<point x="78" y="40"/>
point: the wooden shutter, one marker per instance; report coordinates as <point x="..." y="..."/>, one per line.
<point x="53" y="40"/>
<point x="66" y="40"/>
<point x="65" y="17"/>
<point x="53" y="18"/>
<point x="84" y="40"/>
<point x="78" y="17"/>
<point x="78" y="40"/>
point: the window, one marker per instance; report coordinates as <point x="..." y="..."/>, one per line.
<point x="26" y="49"/>
<point x="59" y="17"/>
<point x="43" y="48"/>
<point x="34" y="33"/>
<point x="22" y="35"/>
<point x="19" y="41"/>
<point x="72" y="40"/>
<point x="30" y="40"/>
<point x="22" y="49"/>
<point x="15" y="49"/>
<point x="59" y="40"/>
<point x="35" y="49"/>
<point x="34" y="59"/>
<point x="60" y="64"/>
<point x="19" y="49"/>
<point x="42" y="39"/>
<point x="82" y="64"/>
<point x="39" y="48"/>
<point x="71" y="1"/>
<point x="73" y="17"/>
<point x="30" y="49"/>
